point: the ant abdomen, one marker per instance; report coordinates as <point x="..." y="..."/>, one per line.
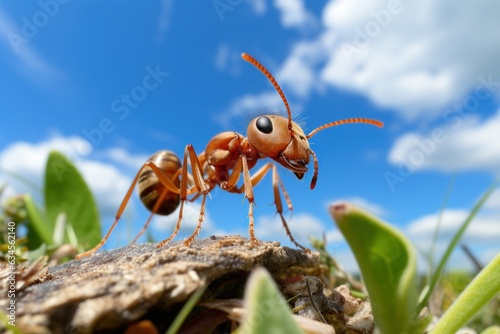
<point x="150" y="187"/>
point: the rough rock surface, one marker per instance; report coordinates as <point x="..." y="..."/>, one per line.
<point x="109" y="291"/>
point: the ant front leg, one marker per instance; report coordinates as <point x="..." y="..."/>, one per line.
<point x="277" y="184"/>
<point x="279" y="207"/>
<point x="241" y="166"/>
<point x="247" y="187"/>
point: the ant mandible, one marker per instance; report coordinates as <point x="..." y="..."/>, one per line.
<point x="164" y="182"/>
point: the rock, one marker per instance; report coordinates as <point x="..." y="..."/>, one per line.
<point x="109" y="291"/>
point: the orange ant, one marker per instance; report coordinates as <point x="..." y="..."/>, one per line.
<point x="164" y="182"/>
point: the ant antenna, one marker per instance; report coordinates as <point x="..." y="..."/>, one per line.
<point x="346" y="121"/>
<point x="269" y="76"/>
<point x="264" y="71"/>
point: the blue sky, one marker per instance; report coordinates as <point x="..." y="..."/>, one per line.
<point x="78" y="76"/>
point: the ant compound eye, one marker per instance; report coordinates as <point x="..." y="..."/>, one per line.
<point x="264" y="124"/>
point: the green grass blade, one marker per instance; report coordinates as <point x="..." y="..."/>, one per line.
<point x="184" y="312"/>
<point x="67" y="192"/>
<point x="268" y="312"/>
<point x="454" y="243"/>
<point x="388" y="265"/>
<point x="438" y="226"/>
<point x="480" y="291"/>
<point x="39" y="227"/>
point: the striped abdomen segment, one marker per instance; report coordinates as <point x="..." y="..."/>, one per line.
<point x="150" y="187"/>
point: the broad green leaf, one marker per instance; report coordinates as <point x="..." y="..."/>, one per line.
<point x="388" y="266"/>
<point x="267" y="310"/>
<point x="66" y="192"/>
<point x="39" y="228"/>
<point x="478" y="293"/>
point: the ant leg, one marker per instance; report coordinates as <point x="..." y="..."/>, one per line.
<point x="279" y="207"/>
<point x="200" y="186"/>
<point x="169" y="184"/>
<point x="176" y="230"/>
<point x="158" y="203"/>
<point x="247" y="182"/>
<point x="155" y="209"/>
<point x="165" y="180"/>
<point x="285" y="193"/>
<point x="117" y="217"/>
<point x="191" y="238"/>
<point x="241" y="166"/>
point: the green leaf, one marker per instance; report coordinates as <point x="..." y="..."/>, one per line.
<point x="268" y="312"/>
<point x="39" y="227"/>
<point x="478" y="293"/>
<point x="66" y="192"/>
<point x="388" y="265"/>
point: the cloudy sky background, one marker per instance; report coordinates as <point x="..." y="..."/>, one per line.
<point x="430" y="71"/>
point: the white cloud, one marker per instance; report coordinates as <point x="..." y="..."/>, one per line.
<point x="28" y="160"/>
<point x="221" y="56"/>
<point x="363" y="203"/>
<point x="259" y="6"/>
<point x="190" y="216"/>
<point x="302" y="226"/>
<point x="371" y="207"/>
<point x="346" y="259"/>
<point x="107" y="183"/>
<point x="163" y="20"/>
<point x="297" y="72"/>
<point x="417" y="57"/>
<point x="124" y="158"/>
<point x="483" y="229"/>
<point x="414" y="58"/>
<point x="299" y="77"/>
<point x="493" y="202"/>
<point x="481" y="236"/>
<point x="335" y="237"/>
<point x="228" y="60"/>
<point x="465" y="144"/>
<point x="294" y="14"/>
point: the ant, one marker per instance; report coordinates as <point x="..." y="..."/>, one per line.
<point x="164" y="182"/>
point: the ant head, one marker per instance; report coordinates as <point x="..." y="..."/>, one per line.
<point x="277" y="137"/>
<point x="283" y="140"/>
<point x="270" y="136"/>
